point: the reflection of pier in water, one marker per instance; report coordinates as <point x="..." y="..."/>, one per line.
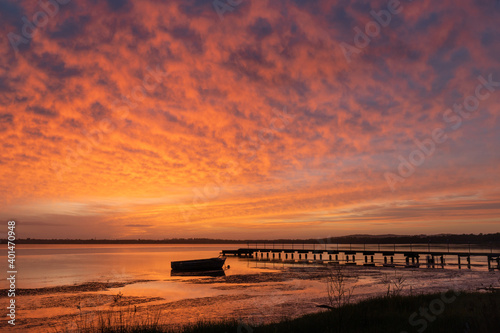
<point x="371" y="255"/>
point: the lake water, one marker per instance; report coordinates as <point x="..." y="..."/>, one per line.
<point x="54" y="265"/>
<point x="256" y="291"/>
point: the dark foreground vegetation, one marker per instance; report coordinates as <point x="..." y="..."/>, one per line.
<point x="441" y="312"/>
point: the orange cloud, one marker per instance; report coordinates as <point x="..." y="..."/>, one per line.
<point x="150" y="119"/>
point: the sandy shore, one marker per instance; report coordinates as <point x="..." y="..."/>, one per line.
<point x="255" y="298"/>
<point x="88" y="286"/>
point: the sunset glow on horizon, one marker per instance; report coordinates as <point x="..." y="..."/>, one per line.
<point x="265" y="119"/>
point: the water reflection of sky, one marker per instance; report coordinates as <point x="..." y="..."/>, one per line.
<point x="52" y="265"/>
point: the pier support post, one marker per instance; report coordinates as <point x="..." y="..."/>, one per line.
<point x="468" y="262"/>
<point x="489" y="263"/>
<point x="459" y="264"/>
<point x="385" y="260"/>
<point x="442" y="261"/>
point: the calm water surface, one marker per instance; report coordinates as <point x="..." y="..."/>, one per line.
<point x="54" y="265"/>
<point x="241" y="293"/>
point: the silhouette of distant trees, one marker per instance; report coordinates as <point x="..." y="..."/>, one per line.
<point x="493" y="239"/>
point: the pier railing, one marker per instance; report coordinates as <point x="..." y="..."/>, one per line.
<point x="372" y="255"/>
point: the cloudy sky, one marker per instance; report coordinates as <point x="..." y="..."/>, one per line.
<point x="249" y="119"/>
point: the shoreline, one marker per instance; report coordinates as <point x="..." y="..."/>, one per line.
<point x="258" y="299"/>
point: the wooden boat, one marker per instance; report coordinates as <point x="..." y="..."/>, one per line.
<point x="211" y="264"/>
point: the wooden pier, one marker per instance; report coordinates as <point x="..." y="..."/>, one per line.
<point x="412" y="258"/>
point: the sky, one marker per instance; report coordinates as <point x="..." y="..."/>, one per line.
<point x="249" y="119"/>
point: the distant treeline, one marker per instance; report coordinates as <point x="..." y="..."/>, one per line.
<point x="493" y="239"/>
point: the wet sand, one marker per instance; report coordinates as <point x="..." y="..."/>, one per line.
<point x="88" y="286"/>
<point x="254" y="298"/>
